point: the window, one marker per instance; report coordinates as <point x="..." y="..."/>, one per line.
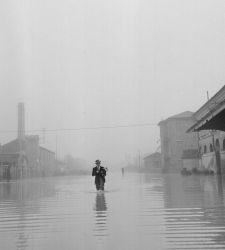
<point x="211" y="148"/>
<point x="205" y="149"/>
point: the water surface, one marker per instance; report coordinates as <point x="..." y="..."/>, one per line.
<point x="136" y="211"/>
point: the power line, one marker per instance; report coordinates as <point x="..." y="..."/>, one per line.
<point x="83" y="128"/>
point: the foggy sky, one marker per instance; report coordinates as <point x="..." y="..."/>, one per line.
<point x="79" y="64"/>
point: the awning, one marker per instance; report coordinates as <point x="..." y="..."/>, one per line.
<point x="215" y="123"/>
<point x="213" y="120"/>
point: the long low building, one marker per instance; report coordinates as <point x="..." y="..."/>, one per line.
<point x="153" y="161"/>
<point x="24" y="156"/>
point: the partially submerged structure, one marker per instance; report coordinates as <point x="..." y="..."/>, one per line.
<point x="9" y="165"/>
<point x="190" y="160"/>
<point x="174" y="140"/>
<point x="210" y="127"/>
<point x="153" y="161"/>
<point x="24" y="157"/>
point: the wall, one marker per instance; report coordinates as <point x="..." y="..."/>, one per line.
<point x="174" y="140"/>
<point x="153" y="161"/>
<point x="222" y="153"/>
<point x="47" y="161"/>
<point x="208" y="160"/>
<point x="11" y="147"/>
<point x="38" y="161"/>
<point x="189" y="164"/>
<point x="32" y="153"/>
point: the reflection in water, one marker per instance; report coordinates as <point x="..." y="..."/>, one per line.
<point x="220" y="184"/>
<point x="101" y="214"/>
<point x="154" y="211"/>
<point x="20" y="200"/>
<point x="195" y="216"/>
<point x="22" y="239"/>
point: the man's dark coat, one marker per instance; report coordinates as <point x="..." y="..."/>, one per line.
<point x="99" y="175"/>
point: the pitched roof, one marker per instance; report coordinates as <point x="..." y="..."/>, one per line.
<point x="211" y="114"/>
<point x="215" y="99"/>
<point x="183" y="115"/>
<point x="156" y="154"/>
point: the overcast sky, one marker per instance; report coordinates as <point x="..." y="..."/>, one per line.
<point x="85" y="63"/>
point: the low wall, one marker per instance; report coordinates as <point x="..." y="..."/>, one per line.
<point x="222" y="155"/>
<point x="189" y="164"/>
<point x="208" y="162"/>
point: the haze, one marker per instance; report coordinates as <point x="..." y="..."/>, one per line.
<point x="87" y="64"/>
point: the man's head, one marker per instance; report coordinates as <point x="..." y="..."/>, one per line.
<point x="98" y="162"/>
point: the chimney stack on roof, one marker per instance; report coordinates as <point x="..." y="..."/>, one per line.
<point x="21" y="121"/>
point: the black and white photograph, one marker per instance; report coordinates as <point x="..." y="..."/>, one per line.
<point x="112" y="129"/>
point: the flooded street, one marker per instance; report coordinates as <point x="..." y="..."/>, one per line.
<point x="136" y="211"/>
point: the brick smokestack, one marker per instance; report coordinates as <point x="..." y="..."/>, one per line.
<point x="21" y="121"/>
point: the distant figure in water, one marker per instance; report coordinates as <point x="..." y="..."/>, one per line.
<point x="122" y="171"/>
<point x="99" y="172"/>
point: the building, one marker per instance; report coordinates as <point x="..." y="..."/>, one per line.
<point x="47" y="161"/>
<point x="174" y="140"/>
<point x="24" y="157"/>
<point x="9" y="165"/>
<point x="153" y="161"/>
<point x="210" y="127"/>
<point x="190" y="159"/>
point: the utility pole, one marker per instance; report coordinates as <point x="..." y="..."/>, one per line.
<point x="56" y="147"/>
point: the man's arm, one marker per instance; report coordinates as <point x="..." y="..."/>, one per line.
<point x="93" y="172"/>
<point x="103" y="171"/>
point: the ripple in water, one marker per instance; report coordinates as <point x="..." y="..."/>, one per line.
<point x="137" y="211"/>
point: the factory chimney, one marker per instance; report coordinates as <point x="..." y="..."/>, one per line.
<point x="21" y="121"/>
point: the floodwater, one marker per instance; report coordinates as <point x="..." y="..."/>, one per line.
<point x="136" y="211"/>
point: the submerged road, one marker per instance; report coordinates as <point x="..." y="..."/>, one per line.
<point x="136" y="211"/>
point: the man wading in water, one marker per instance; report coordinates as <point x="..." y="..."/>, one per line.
<point x="99" y="172"/>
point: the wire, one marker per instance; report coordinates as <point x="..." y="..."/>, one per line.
<point x="83" y="128"/>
